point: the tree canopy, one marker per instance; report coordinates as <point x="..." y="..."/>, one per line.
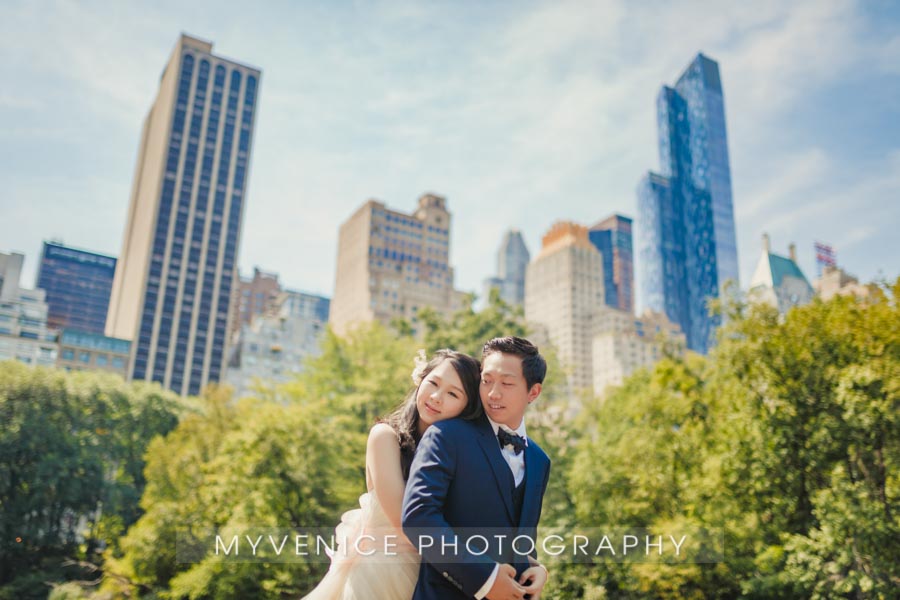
<point x="782" y="446"/>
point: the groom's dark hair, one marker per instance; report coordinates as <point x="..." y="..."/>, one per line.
<point x="534" y="367"/>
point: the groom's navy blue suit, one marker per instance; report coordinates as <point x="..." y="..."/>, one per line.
<point x="460" y="481"/>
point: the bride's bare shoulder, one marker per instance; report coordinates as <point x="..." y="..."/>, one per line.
<point x="382" y="430"/>
<point x="383" y="438"/>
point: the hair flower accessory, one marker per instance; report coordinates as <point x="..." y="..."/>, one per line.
<point x="421" y="361"/>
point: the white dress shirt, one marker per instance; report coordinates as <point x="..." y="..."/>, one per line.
<point x="515" y="461"/>
<point x="516" y="464"/>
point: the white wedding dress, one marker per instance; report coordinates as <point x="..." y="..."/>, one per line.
<point x="384" y="569"/>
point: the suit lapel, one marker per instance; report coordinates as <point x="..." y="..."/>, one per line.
<point x="502" y="475"/>
<point x="533" y="479"/>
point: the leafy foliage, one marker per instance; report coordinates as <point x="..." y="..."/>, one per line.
<point x="71" y="464"/>
<point x="784" y="441"/>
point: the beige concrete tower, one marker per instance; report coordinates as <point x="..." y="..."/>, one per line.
<point x="173" y="283"/>
<point x="623" y="344"/>
<point x="392" y="264"/>
<point x="563" y="289"/>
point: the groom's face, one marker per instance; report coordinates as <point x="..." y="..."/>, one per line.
<point x="504" y="393"/>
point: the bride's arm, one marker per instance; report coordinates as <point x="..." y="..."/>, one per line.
<point x="383" y="462"/>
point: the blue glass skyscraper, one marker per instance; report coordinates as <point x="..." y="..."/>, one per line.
<point x="686" y="234"/>
<point x="612" y="237"/>
<point x="77" y="285"/>
<point x="173" y="285"/>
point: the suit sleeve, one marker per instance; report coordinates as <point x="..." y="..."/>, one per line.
<point x="540" y="508"/>
<point x="431" y="474"/>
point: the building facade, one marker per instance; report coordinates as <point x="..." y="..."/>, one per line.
<point x="778" y="280"/>
<point x="563" y="289"/>
<point x="253" y="297"/>
<point x="613" y="238"/>
<point x="10" y="274"/>
<point x="273" y="348"/>
<point x="24" y="334"/>
<point x="686" y="232"/>
<point x="77" y="284"/>
<point x="176" y="273"/>
<point x="622" y="344"/>
<point x="392" y="264"/>
<point x="81" y="351"/>
<point x="837" y="282"/>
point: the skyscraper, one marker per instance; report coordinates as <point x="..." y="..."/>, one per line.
<point x="563" y="291"/>
<point x="612" y="237"/>
<point x="512" y="262"/>
<point x="77" y="285"/>
<point x="686" y="232"/>
<point x="392" y="264"/>
<point x="173" y="285"/>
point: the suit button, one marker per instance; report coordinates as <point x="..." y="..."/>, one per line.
<point x="445" y="574"/>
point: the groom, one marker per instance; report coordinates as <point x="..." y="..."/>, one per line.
<point x="482" y="478"/>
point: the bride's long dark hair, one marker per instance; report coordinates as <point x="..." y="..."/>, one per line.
<point x="405" y="419"/>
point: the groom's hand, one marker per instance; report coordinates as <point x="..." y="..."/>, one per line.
<point x="505" y="586"/>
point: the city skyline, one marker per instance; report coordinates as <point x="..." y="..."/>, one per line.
<point x="547" y="108"/>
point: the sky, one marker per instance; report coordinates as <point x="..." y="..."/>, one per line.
<point x="519" y="113"/>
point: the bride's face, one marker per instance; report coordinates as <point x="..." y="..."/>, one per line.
<point x="440" y="395"/>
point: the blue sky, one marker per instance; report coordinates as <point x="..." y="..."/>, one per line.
<point x="520" y="113"/>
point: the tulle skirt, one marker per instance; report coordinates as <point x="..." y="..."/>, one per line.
<point x="376" y="574"/>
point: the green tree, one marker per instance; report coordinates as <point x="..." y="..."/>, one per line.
<point x="234" y="468"/>
<point x="643" y="459"/>
<point x="365" y="373"/>
<point x="816" y="461"/>
<point x="294" y="457"/>
<point x="71" y="453"/>
<point x="785" y="439"/>
<point x="467" y="330"/>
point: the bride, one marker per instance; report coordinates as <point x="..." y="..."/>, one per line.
<point x="446" y="387"/>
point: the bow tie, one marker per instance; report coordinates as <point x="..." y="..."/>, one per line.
<point x="511" y="439"/>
